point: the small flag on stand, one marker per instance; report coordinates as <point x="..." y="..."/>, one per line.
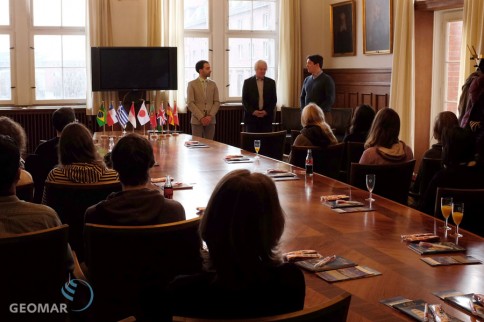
<point x="112" y="118"/>
<point x="169" y="113"/>
<point x="175" y="114"/>
<point x="143" y="116"/>
<point x="101" y="115"/>
<point x="122" y="115"/>
<point x="153" y="122"/>
<point x="132" y="116"/>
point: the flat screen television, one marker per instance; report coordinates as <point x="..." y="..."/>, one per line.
<point x="134" y="68"/>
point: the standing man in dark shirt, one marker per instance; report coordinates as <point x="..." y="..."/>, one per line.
<point x="318" y="87"/>
<point x="259" y="99"/>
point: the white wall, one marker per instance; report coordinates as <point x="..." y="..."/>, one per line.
<point x="316" y="37"/>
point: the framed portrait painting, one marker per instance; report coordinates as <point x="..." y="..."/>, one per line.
<point x="343" y="28"/>
<point x="377" y="26"/>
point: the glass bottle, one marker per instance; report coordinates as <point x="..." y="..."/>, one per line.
<point x="168" y="188"/>
<point x="309" y="163"/>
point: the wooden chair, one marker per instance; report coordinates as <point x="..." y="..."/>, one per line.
<point x="392" y="180"/>
<point x="341" y="121"/>
<point x="325" y="161"/>
<point x="34" y="269"/>
<point x="127" y="263"/>
<point x="290" y="121"/>
<point x="334" y="310"/>
<point x="25" y="192"/>
<point x="70" y="201"/>
<point x="429" y="168"/>
<point x="352" y="154"/>
<point x="473" y="200"/>
<point x="272" y="144"/>
<point x="36" y="167"/>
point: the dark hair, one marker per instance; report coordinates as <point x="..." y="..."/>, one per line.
<point x="362" y="119"/>
<point x="63" y="116"/>
<point x="317" y="59"/>
<point x="132" y="158"/>
<point x="481" y="65"/>
<point x="199" y="65"/>
<point x="242" y="225"/>
<point x="9" y="163"/>
<point x="385" y="129"/>
<point x="458" y="146"/>
<point x="15" y="131"/>
<point x="443" y="121"/>
<point x="76" y="146"/>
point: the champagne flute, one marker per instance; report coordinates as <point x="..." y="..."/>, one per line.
<point x="446" y="208"/>
<point x="457" y="214"/>
<point x="370" y="185"/>
<point x="257" y="148"/>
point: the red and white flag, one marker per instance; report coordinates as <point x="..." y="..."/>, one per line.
<point x="112" y="117"/>
<point x="143" y="116"/>
<point x="132" y="115"/>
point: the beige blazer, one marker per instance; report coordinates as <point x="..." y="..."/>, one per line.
<point x="200" y="104"/>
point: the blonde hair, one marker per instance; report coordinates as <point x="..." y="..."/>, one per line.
<point x="312" y="114"/>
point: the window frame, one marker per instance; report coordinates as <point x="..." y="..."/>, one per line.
<point x="9" y="31"/>
<point x="55" y="31"/>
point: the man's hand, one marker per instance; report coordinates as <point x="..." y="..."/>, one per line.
<point x="259" y="113"/>
<point x="206" y="120"/>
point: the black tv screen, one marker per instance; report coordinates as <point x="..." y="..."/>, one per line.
<point x="134" y="68"/>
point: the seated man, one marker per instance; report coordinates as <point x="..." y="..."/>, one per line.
<point x="47" y="151"/>
<point x="19" y="216"/>
<point x="139" y="203"/>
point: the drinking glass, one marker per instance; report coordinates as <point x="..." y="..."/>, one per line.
<point x="370" y="185"/>
<point x="257" y="148"/>
<point x="457" y="214"/>
<point x="446" y="208"/>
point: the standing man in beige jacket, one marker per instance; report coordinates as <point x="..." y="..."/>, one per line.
<point x="203" y="102"/>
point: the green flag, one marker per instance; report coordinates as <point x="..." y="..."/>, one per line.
<point x="101" y="115"/>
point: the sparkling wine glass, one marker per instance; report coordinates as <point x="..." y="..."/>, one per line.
<point x="446" y="208"/>
<point x="370" y="185"/>
<point x="257" y="148"/>
<point x="457" y="214"/>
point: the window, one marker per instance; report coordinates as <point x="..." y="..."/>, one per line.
<point x="59" y="50"/>
<point x="446" y="62"/>
<point x="251" y="33"/>
<point x="5" y="61"/>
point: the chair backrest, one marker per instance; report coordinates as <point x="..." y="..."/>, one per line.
<point x="291" y="118"/>
<point x="341" y="121"/>
<point x="272" y="144"/>
<point x="334" y="310"/>
<point x="39" y="171"/>
<point x="353" y="152"/>
<point x="429" y="168"/>
<point x="33" y="270"/>
<point x="325" y="161"/>
<point x="70" y="201"/>
<point x="25" y="192"/>
<point x="473" y="200"/>
<point x="392" y="180"/>
<point x="126" y="263"/>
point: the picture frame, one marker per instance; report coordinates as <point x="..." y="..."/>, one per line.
<point x="377" y="26"/>
<point x="343" y="28"/>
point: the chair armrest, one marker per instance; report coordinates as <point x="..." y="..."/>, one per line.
<point x="78" y="271"/>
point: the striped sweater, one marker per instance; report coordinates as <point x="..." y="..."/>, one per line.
<point x="82" y="173"/>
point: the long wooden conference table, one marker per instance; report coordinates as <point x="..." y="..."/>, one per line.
<point x="370" y="238"/>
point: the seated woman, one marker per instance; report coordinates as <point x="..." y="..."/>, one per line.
<point x="459" y="171"/>
<point x="245" y="275"/>
<point x="382" y="145"/>
<point x="444" y="121"/>
<point x="315" y="130"/>
<point x="78" y="158"/>
<point x="360" y="124"/>
<point x="17" y="133"/>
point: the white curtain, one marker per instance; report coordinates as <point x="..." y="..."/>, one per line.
<point x="289" y="69"/>
<point x="99" y="32"/>
<point x="172" y="28"/>
<point x="472" y="35"/>
<point x="402" y="92"/>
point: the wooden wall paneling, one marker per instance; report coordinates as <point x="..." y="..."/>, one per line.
<point x="352" y="100"/>
<point x="367" y="98"/>
<point x="381" y="101"/>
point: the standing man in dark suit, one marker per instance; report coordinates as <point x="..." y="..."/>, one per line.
<point x="259" y="99"/>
